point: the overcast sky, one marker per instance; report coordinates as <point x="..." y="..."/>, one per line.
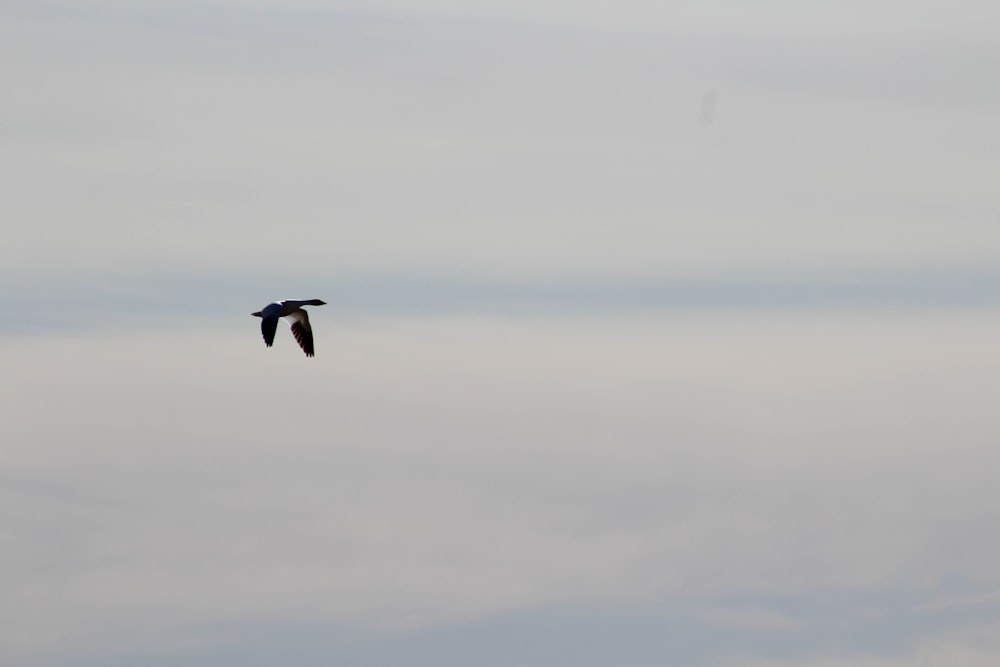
<point x="658" y="334"/>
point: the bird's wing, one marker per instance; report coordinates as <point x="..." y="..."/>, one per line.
<point x="268" y="327"/>
<point x="303" y="333"/>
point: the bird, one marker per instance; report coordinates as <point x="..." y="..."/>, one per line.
<point x="298" y="319"/>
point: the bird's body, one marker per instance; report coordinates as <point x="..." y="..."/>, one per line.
<point x="291" y="309"/>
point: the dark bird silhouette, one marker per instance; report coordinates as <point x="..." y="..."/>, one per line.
<point x="291" y="309"/>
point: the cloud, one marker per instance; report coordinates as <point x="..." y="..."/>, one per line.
<point x="58" y="303"/>
<point x="583" y="354"/>
<point x="425" y="472"/>
<point x="755" y="619"/>
<point x="961" y="601"/>
<point x="420" y="142"/>
<point x="975" y="646"/>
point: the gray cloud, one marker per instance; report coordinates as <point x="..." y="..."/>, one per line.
<point x="101" y="301"/>
<point x="450" y="469"/>
<point x="588" y="363"/>
<point x="429" y="143"/>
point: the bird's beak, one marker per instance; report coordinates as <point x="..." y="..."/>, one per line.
<point x="257" y="314"/>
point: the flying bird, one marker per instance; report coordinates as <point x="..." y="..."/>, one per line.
<point x="290" y="309"/>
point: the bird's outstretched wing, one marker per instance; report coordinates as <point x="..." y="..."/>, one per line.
<point x="302" y="331"/>
<point x="268" y="327"/>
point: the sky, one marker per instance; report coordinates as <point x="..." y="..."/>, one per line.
<point x="657" y="333"/>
